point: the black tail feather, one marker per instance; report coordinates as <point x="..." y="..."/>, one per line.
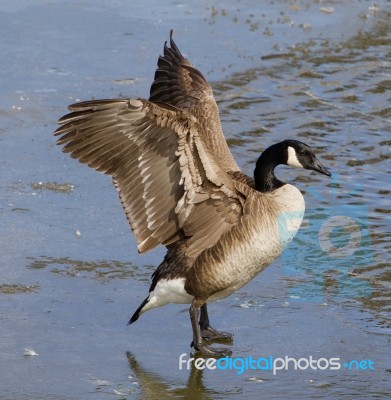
<point x="136" y="315"/>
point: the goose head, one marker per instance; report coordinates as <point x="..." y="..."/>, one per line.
<point x="293" y="153"/>
<point x="300" y="155"/>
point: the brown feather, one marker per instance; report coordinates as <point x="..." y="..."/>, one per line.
<point x="181" y="85"/>
<point x="171" y="184"/>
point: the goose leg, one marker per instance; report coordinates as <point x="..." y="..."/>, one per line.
<point x="207" y="332"/>
<point x="197" y="342"/>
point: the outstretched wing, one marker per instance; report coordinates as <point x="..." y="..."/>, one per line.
<point x="181" y="85"/>
<point x="170" y="183"/>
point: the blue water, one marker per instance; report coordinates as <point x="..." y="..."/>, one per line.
<point x="70" y="275"/>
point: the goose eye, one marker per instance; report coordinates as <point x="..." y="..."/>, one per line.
<point x="301" y="152"/>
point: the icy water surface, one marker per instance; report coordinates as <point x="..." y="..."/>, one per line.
<point x="70" y="275"/>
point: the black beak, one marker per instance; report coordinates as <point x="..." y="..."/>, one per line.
<point x="318" y="167"/>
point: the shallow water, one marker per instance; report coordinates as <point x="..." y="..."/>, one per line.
<point x="70" y="275"/>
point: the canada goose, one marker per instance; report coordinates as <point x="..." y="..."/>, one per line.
<point x="180" y="186"/>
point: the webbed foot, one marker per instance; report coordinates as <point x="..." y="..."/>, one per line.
<point x="213" y="334"/>
<point x="207" y="332"/>
<point x="211" y="351"/>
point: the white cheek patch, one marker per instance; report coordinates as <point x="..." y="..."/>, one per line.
<point x="292" y="158"/>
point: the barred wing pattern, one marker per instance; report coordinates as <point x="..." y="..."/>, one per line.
<point x="179" y="84"/>
<point x="170" y="183"/>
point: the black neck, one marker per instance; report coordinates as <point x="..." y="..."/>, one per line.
<point x="265" y="180"/>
